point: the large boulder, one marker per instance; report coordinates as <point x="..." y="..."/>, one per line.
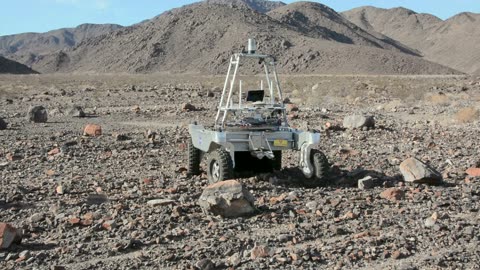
<point x="9" y="235"/>
<point x="415" y="171"/>
<point x="358" y="121"/>
<point x="37" y="114"/>
<point x="227" y="199"/>
<point x="3" y="124"/>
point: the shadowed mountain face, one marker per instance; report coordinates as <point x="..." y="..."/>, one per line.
<point x="453" y="42"/>
<point x="8" y="66"/>
<point x="305" y="37"/>
<point x="28" y="47"/>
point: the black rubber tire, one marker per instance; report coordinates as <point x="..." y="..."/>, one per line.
<point x="224" y="171"/>
<point x="194" y="159"/>
<point x="320" y="164"/>
<point x="276" y="163"/>
<point x="321" y="168"/>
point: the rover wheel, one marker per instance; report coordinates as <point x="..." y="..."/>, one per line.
<point x="194" y="158"/>
<point x="321" y="167"/>
<point x="276" y="163"/>
<point x="320" y="164"/>
<point x="220" y="166"/>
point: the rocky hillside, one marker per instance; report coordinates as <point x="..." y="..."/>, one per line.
<point x="27" y="48"/>
<point x="319" y="21"/>
<point x="202" y="36"/>
<point x="453" y="42"/>
<point x="11" y="67"/>
<point x="262" y="6"/>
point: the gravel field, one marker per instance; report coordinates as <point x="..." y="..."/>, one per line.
<point x="85" y="202"/>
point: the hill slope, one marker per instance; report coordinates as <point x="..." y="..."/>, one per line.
<point x="27" y="47"/>
<point x="11" y="67"/>
<point x="453" y="42"/>
<point x="319" y="21"/>
<point x="202" y="36"/>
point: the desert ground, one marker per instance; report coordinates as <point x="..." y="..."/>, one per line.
<point x="81" y="202"/>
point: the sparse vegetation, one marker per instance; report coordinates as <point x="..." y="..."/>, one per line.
<point x="467" y="115"/>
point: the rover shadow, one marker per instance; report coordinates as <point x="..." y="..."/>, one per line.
<point x="336" y="178"/>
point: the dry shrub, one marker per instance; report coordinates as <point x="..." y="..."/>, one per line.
<point x="439" y="99"/>
<point x="467" y="115"/>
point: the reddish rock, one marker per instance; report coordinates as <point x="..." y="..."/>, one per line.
<point x="293" y="116"/>
<point x="259" y="252"/>
<point x="109" y="225"/>
<point x="74" y="221"/>
<point x="54" y="152"/>
<point x="474" y="172"/>
<point x="393" y="194"/>
<point x="292" y="108"/>
<point x="9" y="235"/>
<point x="13" y="157"/>
<point x="92" y="130"/>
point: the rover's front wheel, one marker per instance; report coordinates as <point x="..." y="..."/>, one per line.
<point x="321" y="167"/>
<point x="220" y="166"/>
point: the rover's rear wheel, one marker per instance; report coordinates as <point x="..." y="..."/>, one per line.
<point x="194" y="158"/>
<point x="220" y="166"/>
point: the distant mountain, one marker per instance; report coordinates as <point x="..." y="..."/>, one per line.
<point x="202" y="36"/>
<point x="28" y="47"/>
<point x="8" y="66"/>
<point x="319" y="21"/>
<point x="454" y="42"/>
<point x="262" y="6"/>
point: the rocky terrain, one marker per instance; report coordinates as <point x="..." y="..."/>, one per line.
<point x="12" y="67"/>
<point x="453" y="42"/>
<point x="122" y="200"/>
<point x="199" y="38"/>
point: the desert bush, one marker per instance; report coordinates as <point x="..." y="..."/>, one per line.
<point x="467" y="115"/>
<point x="439" y="99"/>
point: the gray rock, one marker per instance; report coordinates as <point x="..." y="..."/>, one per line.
<point x="37" y="217"/>
<point x="37" y="114"/>
<point x="3" y="124"/>
<point x="227" y="199"/>
<point x="160" y="202"/>
<point x="76" y="111"/>
<point x="369" y="183"/>
<point x="429" y="222"/>
<point x="205" y="264"/>
<point x="313" y="205"/>
<point x="415" y="171"/>
<point x="9" y="235"/>
<point x="358" y="121"/>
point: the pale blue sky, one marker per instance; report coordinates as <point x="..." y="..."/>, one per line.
<point x="20" y="16"/>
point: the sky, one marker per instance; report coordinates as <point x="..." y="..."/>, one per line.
<point x="21" y="16"/>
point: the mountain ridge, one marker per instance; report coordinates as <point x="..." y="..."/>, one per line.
<point x="437" y="39"/>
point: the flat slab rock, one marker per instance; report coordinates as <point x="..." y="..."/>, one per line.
<point x="415" y="171"/>
<point x="227" y="199"/>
